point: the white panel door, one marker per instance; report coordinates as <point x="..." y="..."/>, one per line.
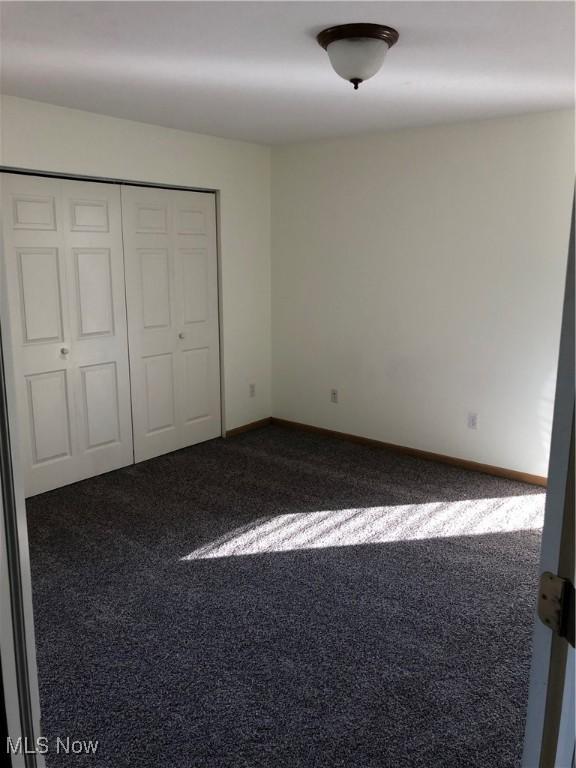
<point x="64" y="266"/>
<point x="172" y="297"/>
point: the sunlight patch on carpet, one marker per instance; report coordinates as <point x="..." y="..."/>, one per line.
<point x="377" y="525"/>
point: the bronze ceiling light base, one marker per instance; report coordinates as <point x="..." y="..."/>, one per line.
<point x="357" y="51"/>
<point x="351" y="31"/>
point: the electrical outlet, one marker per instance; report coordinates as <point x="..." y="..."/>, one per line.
<point x="472" y="420"/>
<point x="333" y="395"/>
<point x="252" y="390"/>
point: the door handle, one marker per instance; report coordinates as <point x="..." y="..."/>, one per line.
<point x="181" y="335"/>
<point x="64" y="351"/>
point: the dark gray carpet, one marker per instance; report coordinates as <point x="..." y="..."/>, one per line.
<point x="282" y="599"/>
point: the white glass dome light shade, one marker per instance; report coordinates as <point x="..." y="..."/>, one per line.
<point x="358" y="58"/>
<point x="357" y="51"/>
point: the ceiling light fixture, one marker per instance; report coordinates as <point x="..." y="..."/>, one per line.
<point x="357" y="51"/>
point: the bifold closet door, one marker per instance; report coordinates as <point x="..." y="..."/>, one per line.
<point x="172" y="300"/>
<point x="65" y="273"/>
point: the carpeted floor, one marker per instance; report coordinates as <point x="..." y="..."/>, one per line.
<point x="286" y="600"/>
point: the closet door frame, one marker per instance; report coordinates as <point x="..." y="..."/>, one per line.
<point x="181" y="188"/>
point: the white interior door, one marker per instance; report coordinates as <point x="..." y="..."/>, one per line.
<point x="550" y="737"/>
<point x="172" y="298"/>
<point x="64" y="269"/>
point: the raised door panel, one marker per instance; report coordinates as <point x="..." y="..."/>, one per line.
<point x="196" y="393"/>
<point x="89" y="215"/>
<point x="155" y="287"/>
<point x="94" y="291"/>
<point x="195" y="287"/>
<point x="40" y="294"/>
<point x="34" y="212"/>
<point x="190" y="218"/>
<point x="160" y="405"/>
<point x="101" y="405"/>
<point x="152" y="217"/>
<point x="49" y="416"/>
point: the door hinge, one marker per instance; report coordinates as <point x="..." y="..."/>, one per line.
<point x="556" y="605"/>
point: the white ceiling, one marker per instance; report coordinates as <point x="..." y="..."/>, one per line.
<point x="253" y="70"/>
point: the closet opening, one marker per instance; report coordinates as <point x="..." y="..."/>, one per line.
<point x="114" y="322"/>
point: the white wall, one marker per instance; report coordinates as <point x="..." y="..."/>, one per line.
<point x="42" y="137"/>
<point x="421" y="274"/>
